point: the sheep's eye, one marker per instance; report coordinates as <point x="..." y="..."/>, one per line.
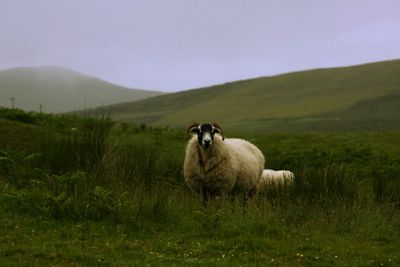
<point x="195" y="130"/>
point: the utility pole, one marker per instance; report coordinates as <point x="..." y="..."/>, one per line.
<point x="12" y="99"/>
<point x="41" y="108"/>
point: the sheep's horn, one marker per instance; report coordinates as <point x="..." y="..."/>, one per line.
<point x="218" y="130"/>
<point x="192" y="126"/>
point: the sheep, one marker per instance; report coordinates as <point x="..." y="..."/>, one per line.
<point x="216" y="166"/>
<point x="276" y="178"/>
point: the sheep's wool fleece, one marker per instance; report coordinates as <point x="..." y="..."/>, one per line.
<point x="271" y="177"/>
<point x="232" y="164"/>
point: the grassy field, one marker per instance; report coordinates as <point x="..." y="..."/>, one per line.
<point x="360" y="97"/>
<point x="88" y="192"/>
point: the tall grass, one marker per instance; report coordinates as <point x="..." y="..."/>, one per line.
<point x="77" y="145"/>
<point x="386" y="184"/>
<point x="91" y="168"/>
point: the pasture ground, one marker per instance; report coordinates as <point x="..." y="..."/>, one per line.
<point x="113" y="195"/>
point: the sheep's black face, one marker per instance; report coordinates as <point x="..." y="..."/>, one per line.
<point x="205" y="134"/>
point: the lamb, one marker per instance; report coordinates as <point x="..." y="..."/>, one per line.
<point x="217" y="167"/>
<point x="276" y="178"/>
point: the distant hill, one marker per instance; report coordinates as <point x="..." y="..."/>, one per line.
<point x="61" y="90"/>
<point x="362" y="97"/>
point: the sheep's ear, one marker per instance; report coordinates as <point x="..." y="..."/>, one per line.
<point x="217" y="129"/>
<point x="193" y="128"/>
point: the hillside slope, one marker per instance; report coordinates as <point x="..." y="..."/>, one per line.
<point x="61" y="90"/>
<point x="18" y="135"/>
<point x="312" y="95"/>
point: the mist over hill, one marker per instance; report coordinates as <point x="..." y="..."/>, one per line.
<point x="362" y="97"/>
<point x="60" y="90"/>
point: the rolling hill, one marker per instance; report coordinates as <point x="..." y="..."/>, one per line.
<point x="362" y="97"/>
<point x="61" y="90"/>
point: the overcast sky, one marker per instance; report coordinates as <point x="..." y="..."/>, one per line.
<point x="171" y="45"/>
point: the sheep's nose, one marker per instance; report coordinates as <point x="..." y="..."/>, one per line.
<point x="207" y="143"/>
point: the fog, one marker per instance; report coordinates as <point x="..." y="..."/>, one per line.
<point x="181" y="44"/>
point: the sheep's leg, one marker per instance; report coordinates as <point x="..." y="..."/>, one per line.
<point x="245" y="202"/>
<point x="204" y="193"/>
<point x="252" y="192"/>
<point x="249" y="195"/>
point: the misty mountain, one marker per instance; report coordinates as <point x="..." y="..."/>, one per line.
<point x="61" y="90"/>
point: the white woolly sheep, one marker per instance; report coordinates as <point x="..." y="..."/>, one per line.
<point x="276" y="178"/>
<point x="215" y="166"/>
